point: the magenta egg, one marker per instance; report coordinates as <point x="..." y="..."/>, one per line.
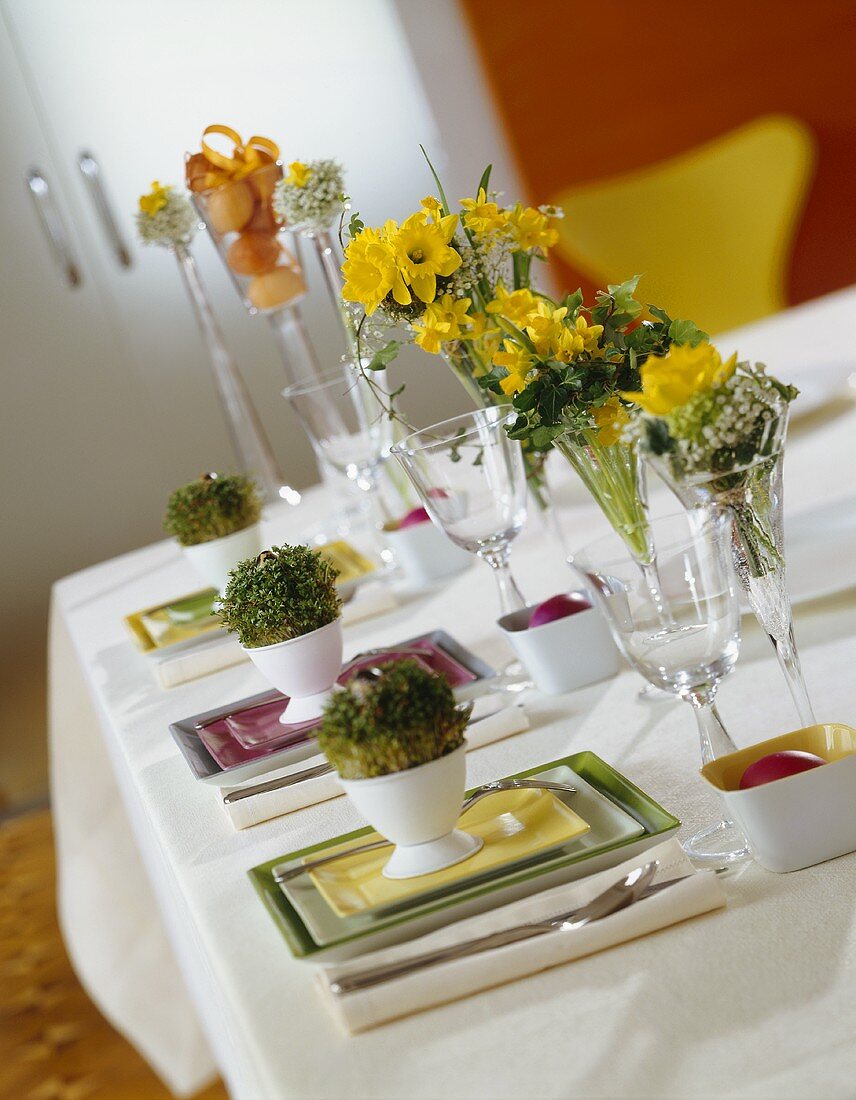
<point x="417" y="515"/>
<point x="557" y="607"/>
<point x="779" y="765"/>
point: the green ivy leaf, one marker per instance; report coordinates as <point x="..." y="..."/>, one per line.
<point x="355" y="225"/>
<point x="384" y="356"/>
<point x="686" y="332"/>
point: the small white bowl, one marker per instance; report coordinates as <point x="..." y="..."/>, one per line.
<point x="802" y="819"/>
<point x="215" y="559"/>
<point x="417" y="810"/>
<point x="565" y="654"/>
<point x="425" y="554"/>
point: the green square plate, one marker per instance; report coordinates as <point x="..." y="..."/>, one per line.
<point x="177" y="624"/>
<point x="380" y="928"/>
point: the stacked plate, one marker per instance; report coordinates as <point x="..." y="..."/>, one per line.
<point x="533" y="840"/>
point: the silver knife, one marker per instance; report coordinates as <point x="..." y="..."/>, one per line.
<point x="633" y="887"/>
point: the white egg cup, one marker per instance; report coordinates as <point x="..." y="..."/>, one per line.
<point x="426" y="554"/>
<point x="212" y="561"/>
<point x="566" y="654"/>
<point x="417" y="810"/>
<point x="305" y="669"/>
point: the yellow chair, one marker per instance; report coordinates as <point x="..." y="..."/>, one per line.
<point x="711" y="230"/>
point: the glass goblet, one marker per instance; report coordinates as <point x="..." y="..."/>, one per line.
<point x="471" y="479"/>
<point x="348" y="428"/>
<point x="680" y="631"/>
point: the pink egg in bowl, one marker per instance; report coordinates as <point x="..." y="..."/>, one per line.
<point x="797" y="807"/>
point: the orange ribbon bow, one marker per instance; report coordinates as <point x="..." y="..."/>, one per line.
<point x="246" y="156"/>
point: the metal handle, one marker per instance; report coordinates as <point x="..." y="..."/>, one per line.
<point x="91" y="172"/>
<point x="53" y="226"/>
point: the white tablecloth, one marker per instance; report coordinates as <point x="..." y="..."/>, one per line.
<point x="170" y="939"/>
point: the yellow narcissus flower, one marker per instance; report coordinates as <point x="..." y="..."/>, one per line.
<point x="481" y="216"/>
<point x="298" y="173"/>
<point x="576" y="338"/>
<point x="518" y="307"/>
<point x="545" y="328"/>
<point x="670" y="380"/>
<point x="422" y="253"/>
<point x="610" y="420"/>
<point x="518" y="362"/>
<point x="156" y="199"/>
<point x="370" y="272"/>
<point x="486" y="335"/>
<point x="432" y="208"/>
<point x="442" y="320"/>
<point x="531" y="229"/>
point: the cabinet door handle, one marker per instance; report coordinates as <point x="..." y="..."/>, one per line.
<point x="53" y="226"/>
<point x="91" y="172"/>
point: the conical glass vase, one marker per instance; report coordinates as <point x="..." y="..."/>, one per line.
<point x="613" y="475"/>
<point x="754" y="494"/>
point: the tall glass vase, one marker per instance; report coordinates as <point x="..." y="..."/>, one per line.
<point x="753" y="493"/>
<point x="249" y="442"/>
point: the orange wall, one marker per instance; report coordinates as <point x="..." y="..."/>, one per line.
<point x="590" y="90"/>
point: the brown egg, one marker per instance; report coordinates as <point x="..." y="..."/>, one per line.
<point x="230" y="207"/>
<point x="253" y="253"/>
<point x="263" y="220"/>
<point x="196" y="169"/>
<point x="264" y="180"/>
<point x="276" y="288"/>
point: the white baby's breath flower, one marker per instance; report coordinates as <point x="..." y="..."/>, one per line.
<point x="316" y="202"/>
<point x="173" y="224"/>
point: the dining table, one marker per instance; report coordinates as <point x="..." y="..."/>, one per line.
<point x="171" y="941"/>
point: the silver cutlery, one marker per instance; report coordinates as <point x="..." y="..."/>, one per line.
<point x="276" y="784"/>
<point x="283" y="873"/>
<point x="627" y="890"/>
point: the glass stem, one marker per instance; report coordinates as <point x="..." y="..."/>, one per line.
<point x="510" y="596"/>
<point x="789" y="661"/>
<point x="295" y="348"/>
<point x="715" y="738"/>
<point x="249" y="441"/>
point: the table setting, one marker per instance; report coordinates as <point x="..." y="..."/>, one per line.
<point x="395" y="826"/>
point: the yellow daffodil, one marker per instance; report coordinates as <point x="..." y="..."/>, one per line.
<point x="546" y="327"/>
<point x="156" y="200"/>
<point x="370" y="272"/>
<point x="432" y="208"/>
<point x="518" y="307"/>
<point x="531" y="229"/>
<point x="518" y="362"/>
<point x="298" y="174"/>
<point x="481" y="216"/>
<point x="610" y="420"/>
<point x="669" y="381"/>
<point x="444" y="319"/>
<point x="422" y="253"/>
<point x="485" y="335"/>
<point x="575" y="338"/>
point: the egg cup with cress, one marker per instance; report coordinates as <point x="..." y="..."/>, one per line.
<point x="285" y="609"/>
<point x="216" y="521"/>
<point x="395" y="736"/>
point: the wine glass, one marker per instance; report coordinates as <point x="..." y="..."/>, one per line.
<point x="680" y="631"/>
<point x="471" y="479"/>
<point x="349" y="429"/>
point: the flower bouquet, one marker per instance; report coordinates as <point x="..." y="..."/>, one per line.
<point x="445" y="279"/>
<point x="715" y="432"/>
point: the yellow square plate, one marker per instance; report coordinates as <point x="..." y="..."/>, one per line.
<point x="513" y="825"/>
<point x="352" y="565"/>
<point x="175" y="623"/>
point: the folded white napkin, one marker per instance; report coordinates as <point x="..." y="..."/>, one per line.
<point x="177" y="668"/>
<point x="262" y="807"/>
<point x="449" y="981"/>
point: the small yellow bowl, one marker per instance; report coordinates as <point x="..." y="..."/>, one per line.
<point x="802" y="819"/>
